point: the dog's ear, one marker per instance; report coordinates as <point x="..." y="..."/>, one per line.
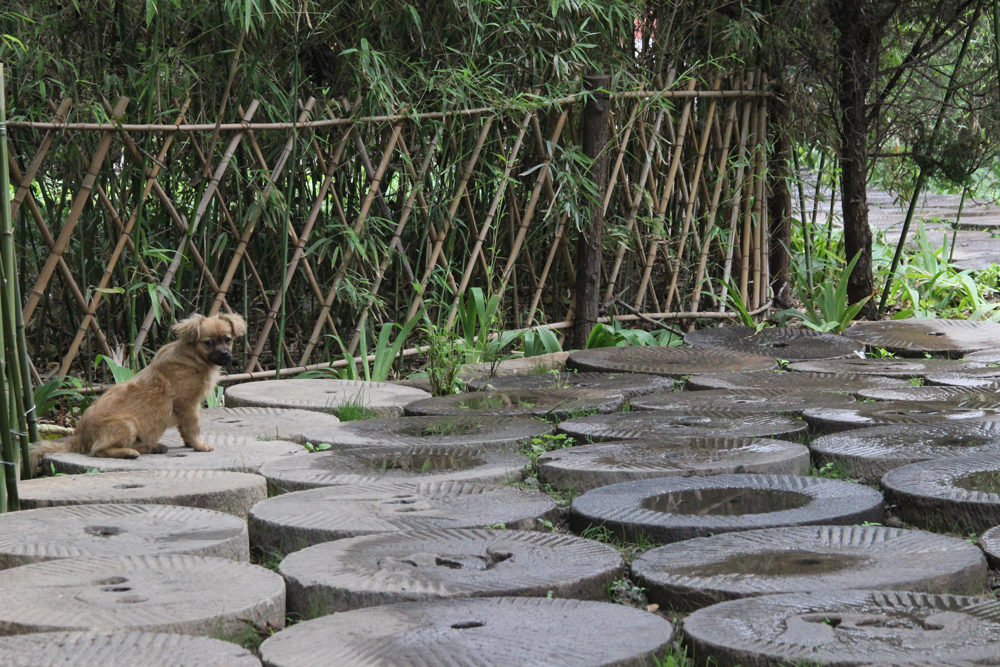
<point x="189" y="330"/>
<point x="236" y="322"/>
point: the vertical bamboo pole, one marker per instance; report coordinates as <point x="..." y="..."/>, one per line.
<point x="758" y="208"/>
<point x="747" y="210"/>
<point x="764" y="234"/>
<point x="737" y="199"/>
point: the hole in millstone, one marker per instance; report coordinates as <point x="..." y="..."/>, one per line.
<point x="987" y="481"/>
<point x="400" y="502"/>
<point x="128" y="486"/>
<point x="936" y="333"/>
<point x="465" y="625"/>
<point x="448" y="563"/>
<point x="437" y="430"/>
<point x="429" y="462"/>
<point x="116" y="589"/>
<point x="102" y="531"/>
<point x="777" y="344"/>
<point x="795" y="562"/>
<point x="177" y="456"/>
<point x="725" y="502"/>
<point x="832" y="621"/>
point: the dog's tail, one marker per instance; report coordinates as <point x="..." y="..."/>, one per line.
<point x="43" y="447"/>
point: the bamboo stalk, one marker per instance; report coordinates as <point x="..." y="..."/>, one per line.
<point x="758" y="206"/>
<point x="764" y="233"/>
<point x="747" y="211"/>
<point x="737" y="200"/>
<point x="25" y="181"/>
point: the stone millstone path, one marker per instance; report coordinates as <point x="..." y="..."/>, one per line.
<point x="466" y="430"/>
<point x="990" y="356"/>
<point x="672" y="509"/>
<point x="260" y="423"/>
<point x="382" y="398"/>
<point x="230" y="492"/>
<point x="869" y="453"/>
<point x="788" y="382"/>
<point x="900" y="368"/>
<point x="543" y="403"/>
<point x="776" y="342"/>
<point x="771" y="401"/>
<point x="915" y="338"/>
<point x="121" y="649"/>
<point x="985" y="379"/>
<point x="860" y="415"/>
<point x="958" y="494"/>
<point x="845" y="628"/>
<point x="478" y="632"/>
<point x="589" y="466"/>
<point x="704" y="571"/>
<point x="294" y="521"/>
<point x="232" y="452"/>
<point x="183" y="594"/>
<point x="675" y="362"/>
<point x="655" y="425"/>
<point x="990" y="543"/>
<point x="364" y="465"/>
<point x="957" y="395"/>
<point x="423" y="566"/>
<point x="90" y="531"/>
<point x="626" y="384"/>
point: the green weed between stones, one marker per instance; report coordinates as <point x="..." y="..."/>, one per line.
<point x="629" y="550"/>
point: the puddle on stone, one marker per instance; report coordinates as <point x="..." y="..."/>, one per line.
<point x="725" y="502"/>
<point x="498" y="401"/>
<point x="987" y="481"/>
<point x="428" y="462"/>
<point x="790" y="563"/>
<point x="438" y="430"/>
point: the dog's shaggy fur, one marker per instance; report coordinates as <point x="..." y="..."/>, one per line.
<point x="129" y="418"/>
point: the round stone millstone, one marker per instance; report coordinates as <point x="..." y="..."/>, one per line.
<point x="978" y="378"/>
<point x="990" y="543"/>
<point x="777" y="342"/>
<point x="231" y="452"/>
<point x="590" y="466"/>
<point x="861" y="415"/>
<point x="422" y="566"/>
<point x="626" y="384"/>
<point x="260" y="423"/>
<point x="989" y="356"/>
<point x="675" y="362"/>
<point x="121" y="649"/>
<point x="790" y="382"/>
<point x="671" y="509"/>
<point x="955" y="495"/>
<point x="364" y="465"/>
<point x="771" y="401"/>
<point x="230" y="492"/>
<point x="707" y="570"/>
<point x="900" y="368"/>
<point x="475" y="632"/>
<point x="544" y="403"/>
<point x="382" y="398"/>
<point x="484" y="431"/>
<point x="915" y="338"/>
<point x="956" y="395"/>
<point x="297" y="520"/>
<point x="93" y="531"/>
<point x="661" y="424"/>
<point x="845" y="628"/>
<point x="183" y="594"/>
<point x="869" y="453"/>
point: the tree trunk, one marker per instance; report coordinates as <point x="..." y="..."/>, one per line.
<point x="596" y="120"/>
<point x="779" y="202"/>
<point x="858" y="43"/>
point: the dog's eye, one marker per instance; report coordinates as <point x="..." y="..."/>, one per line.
<point x="208" y="343"/>
<point x="228" y="340"/>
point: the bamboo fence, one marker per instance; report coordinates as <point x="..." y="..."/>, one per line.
<point x="319" y="229"/>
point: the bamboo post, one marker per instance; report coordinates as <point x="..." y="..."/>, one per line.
<point x="89" y="180"/>
<point x="758" y="206"/>
<point x="765" y="232"/>
<point x="747" y="211"/>
<point x="737" y="200"/>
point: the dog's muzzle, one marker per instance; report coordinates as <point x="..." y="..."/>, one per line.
<point x="220" y="358"/>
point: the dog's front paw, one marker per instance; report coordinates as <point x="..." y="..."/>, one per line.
<point x="159" y="449"/>
<point x="201" y="446"/>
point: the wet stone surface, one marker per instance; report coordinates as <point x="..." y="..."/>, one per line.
<point x="777" y="342"/>
<point x="957" y="395"/>
<point x="798" y="381"/>
<point x="653" y="426"/>
<point x="185" y="594"/>
<point x="861" y="415"/>
<point x="136" y="649"/>
<point x="90" y="531"/>
<point x="869" y="453"/>
<point x="260" y="423"/>
<point x="484" y="431"/>
<point x="845" y="628"/>
<point x="947" y="495"/>
<point x="980" y="378"/>
<point x="294" y="521"/>
<point x="901" y="368"/>
<point x="672" y="509"/>
<point x="587" y="467"/>
<point x="914" y="338"/>
<point x="381" y="398"/>
<point x="238" y="453"/>
<point x="704" y="571"/>
<point x="771" y="401"/>
<point x="543" y="403"/>
<point x="229" y="492"/>
<point x="363" y="465"/>
<point x="417" y="566"/>
<point x="479" y="632"/>
<point x="626" y="384"/>
<point x="675" y="362"/>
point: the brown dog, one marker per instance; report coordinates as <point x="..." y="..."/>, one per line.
<point x="129" y="418"/>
